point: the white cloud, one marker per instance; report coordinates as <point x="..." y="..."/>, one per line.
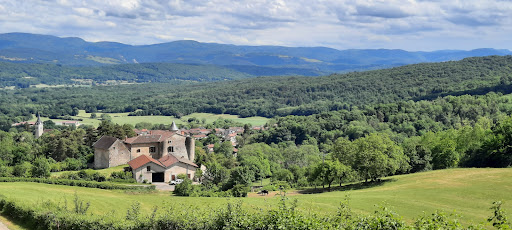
<point x="406" y="24"/>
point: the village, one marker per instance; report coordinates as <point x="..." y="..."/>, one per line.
<point x="153" y="156"/>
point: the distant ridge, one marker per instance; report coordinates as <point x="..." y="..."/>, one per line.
<point x="254" y="60"/>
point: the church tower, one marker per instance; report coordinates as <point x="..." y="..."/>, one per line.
<point x="39" y="126"/>
<point x="174" y="127"/>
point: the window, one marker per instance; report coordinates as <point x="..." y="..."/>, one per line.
<point x="138" y="150"/>
<point x="148" y="168"/>
<point x="152" y="149"/>
<point x="170" y="149"/>
<point x="169" y="142"/>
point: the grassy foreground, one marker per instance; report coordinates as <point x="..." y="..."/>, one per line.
<point x="123" y="118"/>
<point x="467" y="192"/>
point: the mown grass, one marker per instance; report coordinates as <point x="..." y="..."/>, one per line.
<point x="123" y="118"/>
<point x="467" y="192"/>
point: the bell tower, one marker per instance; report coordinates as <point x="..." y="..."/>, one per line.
<point x="38" y="126"/>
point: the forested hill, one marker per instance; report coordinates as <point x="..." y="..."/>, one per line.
<point x="25" y="75"/>
<point x="308" y="61"/>
<point x="274" y="96"/>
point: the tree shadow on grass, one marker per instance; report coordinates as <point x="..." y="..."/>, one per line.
<point x="354" y="186"/>
<point x="18" y="224"/>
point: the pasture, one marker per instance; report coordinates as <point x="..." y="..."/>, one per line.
<point x="465" y="192"/>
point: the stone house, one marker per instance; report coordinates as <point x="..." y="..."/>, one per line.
<point x="155" y="156"/>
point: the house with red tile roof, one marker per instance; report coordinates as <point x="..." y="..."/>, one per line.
<point x="153" y="155"/>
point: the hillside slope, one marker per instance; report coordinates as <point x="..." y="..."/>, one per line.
<point x="275" y="96"/>
<point x="26" y="75"/>
<point x="466" y="192"/>
<point x="309" y="61"/>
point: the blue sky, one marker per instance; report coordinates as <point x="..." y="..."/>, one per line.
<point x="341" y="24"/>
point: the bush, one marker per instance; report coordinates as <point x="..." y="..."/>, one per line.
<point x="121" y="176"/>
<point x="22" y="170"/>
<point x="184" y="188"/>
<point x="41" y="168"/>
<point x="240" y="190"/>
<point x="88" y="175"/>
<point x="73" y="164"/>
<point x="5" y="171"/>
<point x="56" y="167"/>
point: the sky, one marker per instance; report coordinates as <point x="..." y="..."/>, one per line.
<point x="342" y="24"/>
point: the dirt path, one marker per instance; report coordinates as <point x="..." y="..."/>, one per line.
<point x="3" y="227"/>
<point x="271" y="194"/>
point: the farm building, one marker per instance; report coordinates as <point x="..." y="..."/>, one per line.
<point x="155" y="156"/>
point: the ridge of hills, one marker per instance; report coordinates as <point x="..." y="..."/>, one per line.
<point x="253" y="60"/>
<point x="276" y="96"/>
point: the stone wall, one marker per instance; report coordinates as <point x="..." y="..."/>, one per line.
<point x="180" y="168"/>
<point x="119" y="154"/>
<point x="101" y="158"/>
<point x="144" y="150"/>
<point x="178" y="144"/>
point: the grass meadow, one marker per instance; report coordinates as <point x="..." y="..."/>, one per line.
<point x="465" y="192"/>
<point x="123" y="118"/>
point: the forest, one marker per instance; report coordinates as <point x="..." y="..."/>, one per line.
<point x="26" y="75"/>
<point x="269" y="96"/>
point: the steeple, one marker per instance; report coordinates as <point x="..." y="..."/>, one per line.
<point x="174" y="127"/>
<point x="38" y="126"/>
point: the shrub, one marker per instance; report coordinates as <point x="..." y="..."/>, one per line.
<point x="88" y="175"/>
<point x="41" y="168"/>
<point x="120" y="176"/>
<point x="5" y="171"/>
<point x="184" y="188"/>
<point x="22" y="170"/>
<point x="240" y="190"/>
<point x="73" y="164"/>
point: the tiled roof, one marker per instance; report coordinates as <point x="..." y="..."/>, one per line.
<point x="168" y="160"/>
<point x="144" y="139"/>
<point x="165" y="161"/>
<point x="142" y="160"/>
<point x="187" y="161"/>
<point x="104" y="142"/>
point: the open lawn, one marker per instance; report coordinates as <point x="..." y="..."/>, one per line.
<point x="123" y="118"/>
<point x="466" y="192"/>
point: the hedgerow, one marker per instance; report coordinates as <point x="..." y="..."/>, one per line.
<point x="50" y="215"/>
<point x="79" y="183"/>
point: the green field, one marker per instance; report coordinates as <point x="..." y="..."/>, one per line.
<point x="466" y="192"/>
<point x="123" y="118"/>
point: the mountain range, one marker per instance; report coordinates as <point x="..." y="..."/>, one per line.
<point x="253" y="60"/>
